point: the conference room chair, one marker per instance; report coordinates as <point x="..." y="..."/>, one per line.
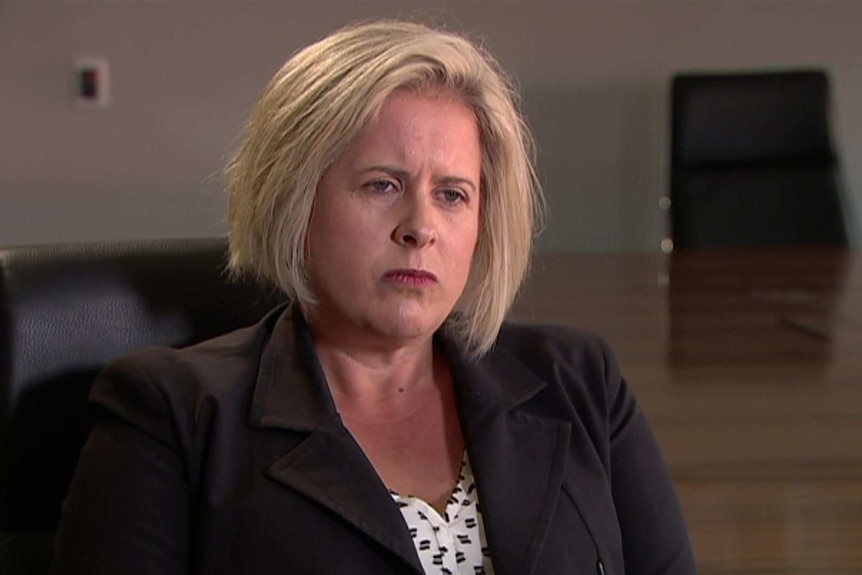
<point x="65" y="312"/>
<point x="752" y="161"/>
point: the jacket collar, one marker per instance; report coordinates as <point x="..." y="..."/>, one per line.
<point x="291" y="391"/>
<point x="512" y="453"/>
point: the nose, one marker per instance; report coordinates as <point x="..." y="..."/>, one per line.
<point x="415" y="227"/>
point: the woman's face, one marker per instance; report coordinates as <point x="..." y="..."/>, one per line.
<point x="395" y="222"/>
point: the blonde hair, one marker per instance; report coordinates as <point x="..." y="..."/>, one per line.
<point x="319" y="101"/>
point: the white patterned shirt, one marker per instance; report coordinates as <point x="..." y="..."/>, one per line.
<point x="453" y="543"/>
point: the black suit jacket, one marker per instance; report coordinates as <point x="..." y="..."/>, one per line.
<point x="229" y="457"/>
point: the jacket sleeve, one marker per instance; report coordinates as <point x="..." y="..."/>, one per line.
<point x="655" y="537"/>
<point x="127" y="508"/>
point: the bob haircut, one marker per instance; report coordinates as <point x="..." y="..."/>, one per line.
<point x="319" y="101"/>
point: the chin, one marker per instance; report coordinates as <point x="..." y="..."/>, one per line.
<point x="407" y="326"/>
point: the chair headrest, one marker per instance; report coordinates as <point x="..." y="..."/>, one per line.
<point x="750" y="118"/>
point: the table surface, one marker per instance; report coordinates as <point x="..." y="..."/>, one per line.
<point x="747" y="364"/>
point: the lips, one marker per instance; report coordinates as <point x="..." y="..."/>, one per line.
<point x="410" y="278"/>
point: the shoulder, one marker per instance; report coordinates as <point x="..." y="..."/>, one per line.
<point x="578" y="374"/>
<point x="177" y="385"/>
<point x="549" y="350"/>
<point x="212" y="363"/>
<point x="552" y="337"/>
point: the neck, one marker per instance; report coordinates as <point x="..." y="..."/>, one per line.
<point x="379" y="384"/>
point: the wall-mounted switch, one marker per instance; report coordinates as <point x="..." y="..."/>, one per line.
<point x="92" y="85"/>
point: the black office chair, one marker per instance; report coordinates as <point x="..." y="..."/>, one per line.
<point x="66" y="311"/>
<point x="752" y="162"/>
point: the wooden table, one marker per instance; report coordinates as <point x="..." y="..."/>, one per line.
<point x="749" y="367"/>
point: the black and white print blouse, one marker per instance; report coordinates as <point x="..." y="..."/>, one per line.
<point x="453" y="543"/>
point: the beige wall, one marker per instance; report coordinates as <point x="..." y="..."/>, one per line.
<point x="185" y="72"/>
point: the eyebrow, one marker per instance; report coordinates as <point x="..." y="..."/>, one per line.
<point x="404" y="174"/>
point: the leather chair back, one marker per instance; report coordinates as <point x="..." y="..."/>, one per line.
<point x="65" y="312"/>
<point x="752" y="161"/>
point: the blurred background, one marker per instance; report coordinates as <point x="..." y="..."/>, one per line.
<point x="594" y="74"/>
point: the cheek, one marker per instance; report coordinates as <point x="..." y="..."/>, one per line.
<point x="473" y="255"/>
<point x="342" y="241"/>
<point x="464" y="253"/>
<point x="326" y="242"/>
<point x="334" y="228"/>
<point x="471" y="238"/>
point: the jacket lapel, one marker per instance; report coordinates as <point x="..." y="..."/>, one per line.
<point x="327" y="466"/>
<point x="518" y="459"/>
<point x="330" y="468"/>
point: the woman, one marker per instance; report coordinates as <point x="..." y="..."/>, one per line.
<point x="385" y="422"/>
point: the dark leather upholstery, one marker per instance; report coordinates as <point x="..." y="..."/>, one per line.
<point x="752" y="162"/>
<point x="66" y="311"/>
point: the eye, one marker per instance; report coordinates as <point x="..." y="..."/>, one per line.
<point x="452" y="196"/>
<point x="382" y="186"/>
